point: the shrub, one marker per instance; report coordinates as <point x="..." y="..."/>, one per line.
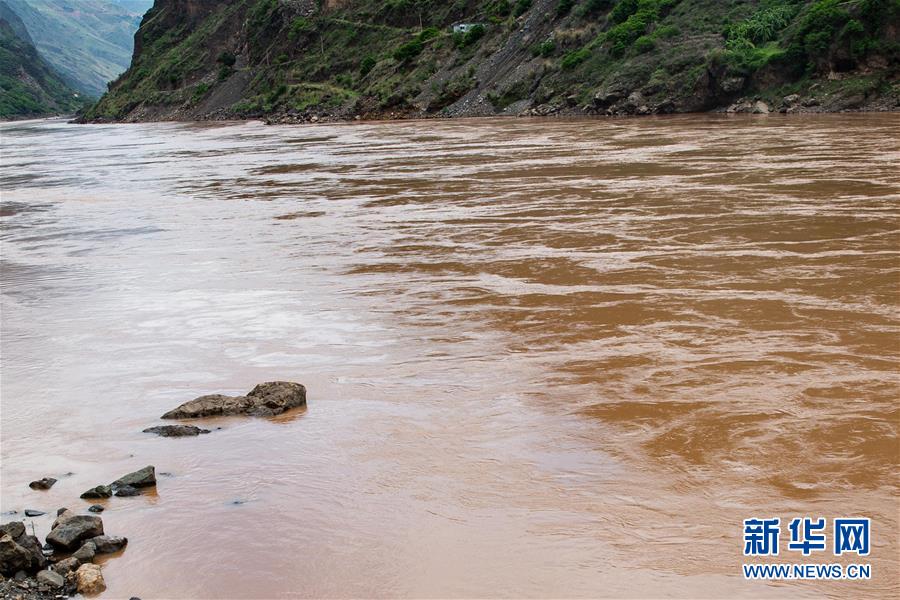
<point x="428" y="33"/>
<point x="200" y="91"/>
<point x="367" y="64"/>
<point x="592" y="7"/>
<point x="667" y="31"/>
<point x="544" y="49"/>
<point x="575" y="58"/>
<point x="299" y="26"/>
<point x="521" y="7"/>
<point x="227" y="59"/>
<point x="499" y="8"/>
<point x="564" y="7"/>
<point x="409" y="50"/>
<point x="644" y="44"/>
<point x="470" y="37"/>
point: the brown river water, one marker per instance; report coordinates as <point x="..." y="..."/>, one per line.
<point x="543" y="358"/>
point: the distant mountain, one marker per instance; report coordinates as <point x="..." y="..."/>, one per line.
<point x="13" y="20"/>
<point x="89" y="42"/>
<point x="28" y="85"/>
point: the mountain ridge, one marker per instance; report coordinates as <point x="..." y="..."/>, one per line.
<point x="89" y="42"/>
<point x="302" y="60"/>
<point x="29" y="86"/>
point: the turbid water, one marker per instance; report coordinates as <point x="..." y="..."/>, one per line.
<point x="544" y="358"/>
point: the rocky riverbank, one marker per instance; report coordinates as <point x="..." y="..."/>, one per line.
<point x="64" y="564"/>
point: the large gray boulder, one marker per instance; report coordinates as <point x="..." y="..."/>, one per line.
<point x="266" y="399"/>
<point x="69" y="534"/>
<point x="22" y="553"/>
<point x="13" y="557"/>
<point x="145" y="477"/>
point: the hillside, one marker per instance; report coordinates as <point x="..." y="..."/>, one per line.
<point x="28" y="85"/>
<point x="299" y="59"/>
<point x="89" y="42"/>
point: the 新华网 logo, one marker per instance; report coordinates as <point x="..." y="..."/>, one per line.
<point x="807" y="536"/>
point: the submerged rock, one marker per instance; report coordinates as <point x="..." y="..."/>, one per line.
<point x="69" y="534"/>
<point x="44" y="483"/>
<point x="176" y="430"/>
<point x="106" y="544"/>
<point x="89" y="579"/>
<point x="145" y="477"/>
<point x="96" y="508"/>
<point x="266" y="399"/>
<point x="127" y="490"/>
<point x="101" y="491"/>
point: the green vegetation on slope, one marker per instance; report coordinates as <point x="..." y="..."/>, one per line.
<point x="28" y="85"/>
<point x="89" y="42"/>
<point x="417" y="57"/>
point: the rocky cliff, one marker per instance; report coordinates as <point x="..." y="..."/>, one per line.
<point x="307" y="60"/>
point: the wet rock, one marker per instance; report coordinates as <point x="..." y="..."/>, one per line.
<point x="62" y="515"/>
<point x="68" y="535"/>
<point x="106" y="544"/>
<point x="66" y="566"/>
<point x="145" y="477"/>
<point x="127" y="491"/>
<point x="89" y="579"/>
<point x="86" y="553"/>
<point x="30" y="512"/>
<point x="13" y="529"/>
<point x="45" y="483"/>
<point x="96" y="508"/>
<point x="176" y="430"/>
<point x="54" y="580"/>
<point x="13" y="557"/>
<point x="33" y="546"/>
<point x="266" y="399"/>
<point x="101" y="491"/>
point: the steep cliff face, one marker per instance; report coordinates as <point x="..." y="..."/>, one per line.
<point x="308" y="59"/>
<point x="29" y="87"/>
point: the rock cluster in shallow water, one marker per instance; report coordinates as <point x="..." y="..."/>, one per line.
<point x="64" y="566"/>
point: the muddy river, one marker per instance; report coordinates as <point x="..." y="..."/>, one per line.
<point x="544" y="358"/>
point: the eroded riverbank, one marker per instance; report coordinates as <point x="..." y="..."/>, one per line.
<point x="549" y="358"/>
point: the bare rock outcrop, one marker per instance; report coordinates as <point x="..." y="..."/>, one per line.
<point x="266" y="399"/>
